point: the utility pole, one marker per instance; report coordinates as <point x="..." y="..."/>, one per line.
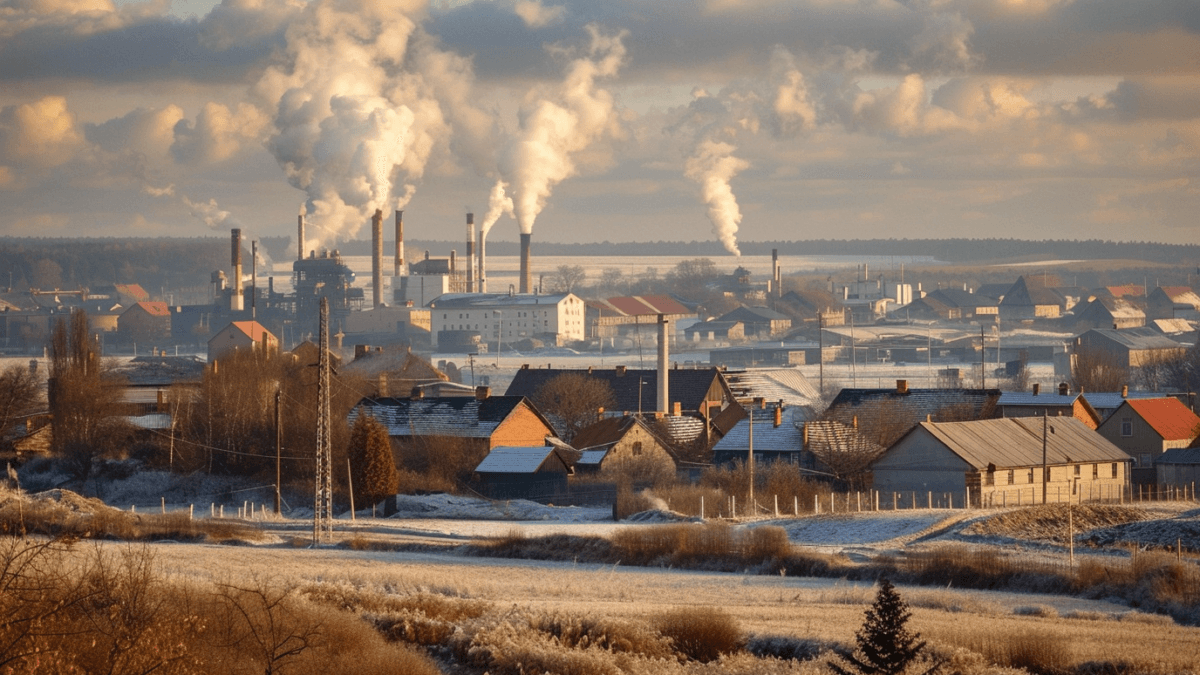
<point x="750" y="461"/>
<point x="821" y="349"/>
<point x="278" y="449"/>
<point x="323" y="499"/>
<point x="1045" y="423"/>
<point x="982" y="358"/>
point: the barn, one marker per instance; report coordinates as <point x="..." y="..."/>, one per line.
<point x="535" y="473"/>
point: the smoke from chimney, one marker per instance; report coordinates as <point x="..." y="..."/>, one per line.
<point x="377" y="258"/>
<point x="526" y="272"/>
<point x="399" y="242"/>
<point x="499" y="203"/>
<point x="470" y="252"/>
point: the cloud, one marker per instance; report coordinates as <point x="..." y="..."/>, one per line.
<point x="40" y="135"/>
<point x="536" y="15"/>
<point x="148" y="131"/>
<point x="217" y="134"/>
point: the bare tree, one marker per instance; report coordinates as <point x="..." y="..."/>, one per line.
<point x="85" y="398"/>
<point x="267" y="624"/>
<point x="1098" y="370"/>
<point x="567" y="277"/>
<point x="19" y="397"/>
<point x="572" y="401"/>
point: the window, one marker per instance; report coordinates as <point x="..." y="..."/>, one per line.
<point x="637" y="448"/>
<point x="1126" y="426"/>
<point x="1011" y="477"/>
<point x="1114" y="469"/>
<point x="1031" y="476"/>
<point x="1095" y="471"/>
<point x="1078" y="467"/>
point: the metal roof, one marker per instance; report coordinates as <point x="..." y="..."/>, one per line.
<point x="767" y="437"/>
<point x="485" y="300"/>
<point x="440" y="416"/>
<point x="1029" y="399"/>
<point x="512" y="459"/>
<point x="773" y="384"/>
<point x="834" y="437"/>
<point x="592" y="457"/>
<point x="642" y="305"/>
<point x="1136" y="338"/>
<point x="1168" y="417"/>
<point x="755" y="314"/>
<point x="1017" y="442"/>
<point x="1179" y="456"/>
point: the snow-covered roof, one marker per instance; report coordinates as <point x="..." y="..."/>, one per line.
<point x="513" y="459"/>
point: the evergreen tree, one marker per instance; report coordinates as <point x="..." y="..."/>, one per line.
<point x="885" y="646"/>
<point x="372" y="466"/>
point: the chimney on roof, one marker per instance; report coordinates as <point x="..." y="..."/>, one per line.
<point x="677" y="409"/>
<point x="383" y="385"/>
<point x="599" y="413"/>
<point x="804" y="435"/>
<point x="620" y="371"/>
<point x="417" y="393"/>
<point x="1064" y="389"/>
<point x="855" y="421"/>
<point x="1037" y="388"/>
<point x="1124" y="391"/>
<point x="483" y="393"/>
<point x="760" y="403"/>
<point x="901" y="386"/>
<point x="778" y="417"/>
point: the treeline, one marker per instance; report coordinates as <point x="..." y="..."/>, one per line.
<point x="71" y="263"/>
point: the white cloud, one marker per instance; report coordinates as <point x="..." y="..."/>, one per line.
<point x="537" y="15"/>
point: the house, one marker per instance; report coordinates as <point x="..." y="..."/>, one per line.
<point x="927" y="308"/>
<point x="1173" y="302"/>
<point x="725" y="331"/>
<point x="883" y="415"/>
<point x="506" y="319"/>
<point x="1028" y="299"/>
<point x="773" y="433"/>
<point x="963" y="304"/>
<point x="1146" y="428"/>
<point x="1103" y="311"/>
<point x="999" y="462"/>
<point x="760" y="322"/>
<point x="241" y="336"/>
<point x="1129" y="348"/>
<point x="1037" y="404"/>
<point x="145" y="322"/>
<point x="473" y="426"/>
<point x="537" y="473"/>
<point x="840" y="451"/>
<point x="624" y="445"/>
<point x="809" y="304"/>
<point x="1178" y="467"/>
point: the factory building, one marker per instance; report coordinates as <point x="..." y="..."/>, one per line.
<point x="466" y="319"/>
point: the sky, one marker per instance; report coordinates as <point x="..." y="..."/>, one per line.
<point x="623" y="120"/>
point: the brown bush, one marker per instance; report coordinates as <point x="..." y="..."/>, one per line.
<point x="630" y="502"/>
<point x="686" y="499"/>
<point x="700" y="633"/>
<point x="81" y="518"/>
<point x="1039" y="652"/>
<point x="614" y="635"/>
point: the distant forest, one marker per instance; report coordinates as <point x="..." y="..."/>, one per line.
<point x="159" y="264"/>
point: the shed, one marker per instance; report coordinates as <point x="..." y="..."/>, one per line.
<point x="1178" y="467"/>
<point x="1131" y="347"/>
<point x="537" y="473"/>
<point x="999" y="462"/>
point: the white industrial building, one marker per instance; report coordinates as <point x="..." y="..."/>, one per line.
<point x="508" y="318"/>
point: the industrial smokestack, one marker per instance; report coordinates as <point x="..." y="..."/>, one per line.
<point x="300" y="237"/>
<point x="482" y="257"/>
<point x="254" y="279"/>
<point x="775" y="272"/>
<point x="399" y="242"/>
<point x="470" y="252"/>
<point x="235" y="295"/>
<point x="377" y="258"/>
<point x="526" y="273"/>
<point x="453" y="261"/>
<point x="663" y="366"/>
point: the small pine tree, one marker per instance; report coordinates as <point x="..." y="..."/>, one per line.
<point x="372" y="466"/>
<point x="885" y="646"/>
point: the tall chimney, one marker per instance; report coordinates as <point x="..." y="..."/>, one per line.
<point x="775" y="277"/>
<point x="663" y="367"/>
<point x="253" y="278"/>
<point x="526" y="273"/>
<point x="470" y="252"/>
<point x="482" y="258"/>
<point x="300" y="237"/>
<point x="377" y="258"/>
<point x="235" y="294"/>
<point x="399" y="241"/>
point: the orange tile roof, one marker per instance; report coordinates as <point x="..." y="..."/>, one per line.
<point x="155" y="308"/>
<point x="254" y="329"/>
<point x="133" y="291"/>
<point x="1127" y="289"/>
<point x="1168" y="417"/>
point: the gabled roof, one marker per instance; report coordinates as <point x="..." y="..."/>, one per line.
<point x="1017" y="442"/>
<point x="457" y="416"/>
<point x="1168" y="417"/>
<point x="1180" y="295"/>
<point x="1135" y="338"/>
<point x="641" y="305"/>
<point x="592" y="457"/>
<point x="132" y="290"/>
<point x="713" y="326"/>
<point x="767" y="437"/>
<point x="993" y="290"/>
<point x="512" y="459"/>
<point x="753" y="315"/>
<point x="1107" y="401"/>
<point x="685" y="385"/>
<point x="832" y="436"/>
<point x="1171" y="326"/>
<point x="1117" y="308"/>
<point x="1025" y="398"/>
<point x="254" y="330"/>
<point x="773" y="384"/>
<point x="152" y="308"/>
<point x="1027" y="292"/>
<point x="606" y="431"/>
<point x="922" y="401"/>
<point x="1132" y="290"/>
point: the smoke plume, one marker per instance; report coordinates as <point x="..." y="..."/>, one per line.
<point x="713" y="165"/>
<point x="561" y="124"/>
<point x="499" y="204"/>
<point x="352" y="117"/>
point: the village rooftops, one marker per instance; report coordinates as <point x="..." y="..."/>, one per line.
<point x="1136" y="338"/>
<point x="1168" y="417"/>
<point x="441" y="416"/>
<point x="633" y="390"/>
<point x="1017" y="442"/>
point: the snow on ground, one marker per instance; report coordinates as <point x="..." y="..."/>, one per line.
<point x="882" y="527"/>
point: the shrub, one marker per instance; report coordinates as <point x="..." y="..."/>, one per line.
<point x="700" y="633"/>
<point x="629" y="502"/>
<point x="885" y="646"/>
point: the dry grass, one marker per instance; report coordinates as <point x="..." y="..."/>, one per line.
<point x="1050" y="522"/>
<point x="706" y="546"/>
<point x="700" y="633"/>
<point x="81" y="518"/>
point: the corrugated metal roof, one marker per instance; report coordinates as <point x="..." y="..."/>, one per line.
<point x="641" y="305"/>
<point x="1027" y="398"/>
<point x="684" y="428"/>
<point x="767" y="437"/>
<point x="1136" y="338"/>
<point x="151" y="421"/>
<point x="834" y="436"/>
<point x="439" y="416"/>
<point x="1107" y="401"/>
<point x="592" y="457"/>
<point x="1017" y="442"/>
<point x="773" y="384"/>
<point x="1180" y="456"/>
<point x="511" y="459"/>
<point x="1168" y="417"/>
<point x="755" y="314"/>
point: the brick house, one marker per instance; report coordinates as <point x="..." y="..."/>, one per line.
<point x="144" y="322"/>
<point x="241" y="336"/>
<point x="625" y="442"/>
